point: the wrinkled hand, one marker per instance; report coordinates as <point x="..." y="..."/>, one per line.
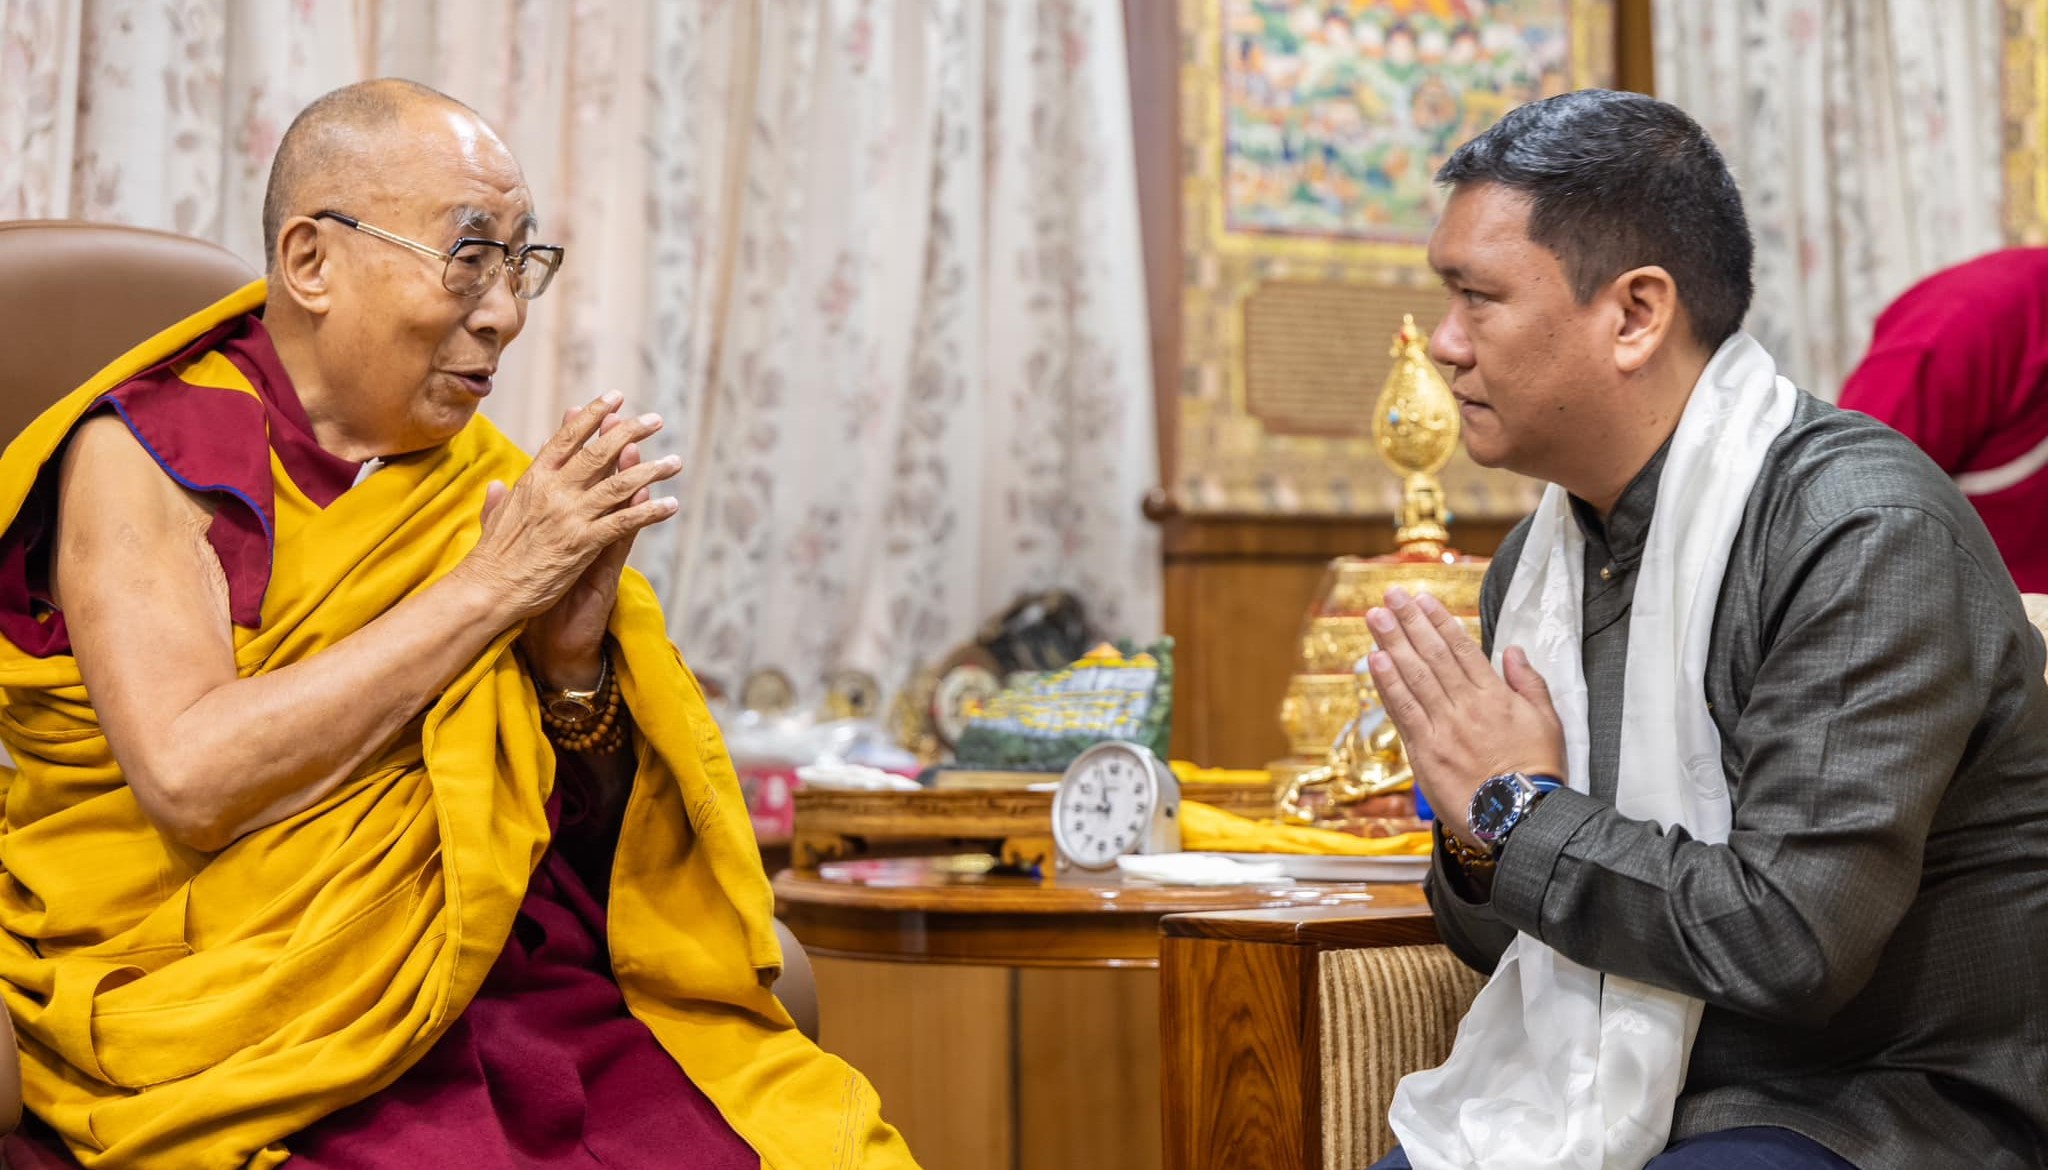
<point x="554" y="543"/>
<point x="1459" y="721"/>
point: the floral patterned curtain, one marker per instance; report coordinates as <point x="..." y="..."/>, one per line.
<point x="877" y="261"/>
<point x="1865" y="134"/>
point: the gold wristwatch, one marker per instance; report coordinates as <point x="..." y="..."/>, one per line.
<point x="576" y="710"/>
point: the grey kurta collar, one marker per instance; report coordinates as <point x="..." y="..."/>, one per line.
<point x="1620" y="538"/>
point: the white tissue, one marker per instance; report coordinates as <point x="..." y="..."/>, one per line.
<point x="854" y="777"/>
<point x="1202" y="869"/>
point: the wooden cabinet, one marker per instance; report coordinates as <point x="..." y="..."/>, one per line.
<point x="1237" y="589"/>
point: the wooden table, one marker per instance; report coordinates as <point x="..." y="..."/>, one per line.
<point x="1008" y="1022"/>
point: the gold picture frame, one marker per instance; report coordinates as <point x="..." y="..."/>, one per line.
<point x="1286" y="329"/>
<point x="2024" y="98"/>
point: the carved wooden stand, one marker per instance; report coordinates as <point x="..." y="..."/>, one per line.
<point x="1015" y="824"/>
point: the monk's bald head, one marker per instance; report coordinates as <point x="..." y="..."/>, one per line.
<point x="353" y="145"/>
<point x="390" y="332"/>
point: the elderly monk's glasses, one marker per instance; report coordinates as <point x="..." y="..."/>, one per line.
<point x="472" y="263"/>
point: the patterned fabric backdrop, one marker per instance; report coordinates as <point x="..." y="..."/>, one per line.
<point x="877" y="261"/>
<point x="1865" y="134"/>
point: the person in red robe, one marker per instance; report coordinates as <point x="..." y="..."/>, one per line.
<point x="1959" y="365"/>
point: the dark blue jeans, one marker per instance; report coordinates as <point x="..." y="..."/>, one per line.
<point x="1756" y="1147"/>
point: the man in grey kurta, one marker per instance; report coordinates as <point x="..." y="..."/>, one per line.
<point x="1871" y="941"/>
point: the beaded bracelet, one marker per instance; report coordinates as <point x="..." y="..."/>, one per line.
<point x="1470" y="860"/>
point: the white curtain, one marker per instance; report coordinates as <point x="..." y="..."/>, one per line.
<point x="1865" y="134"/>
<point x="877" y="261"/>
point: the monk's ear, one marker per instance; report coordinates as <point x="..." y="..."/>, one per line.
<point x="1646" y="300"/>
<point x="303" y="265"/>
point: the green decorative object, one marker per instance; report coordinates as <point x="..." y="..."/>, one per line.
<point x="1039" y="722"/>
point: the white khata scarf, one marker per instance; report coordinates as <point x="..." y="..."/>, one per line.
<point x="1557" y="1065"/>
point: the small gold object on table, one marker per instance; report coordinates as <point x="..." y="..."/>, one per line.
<point x="1346" y="767"/>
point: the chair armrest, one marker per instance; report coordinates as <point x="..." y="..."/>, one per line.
<point x="1245" y="1035"/>
<point x="1322" y="927"/>
<point x="10" y="1077"/>
<point x="798" y="987"/>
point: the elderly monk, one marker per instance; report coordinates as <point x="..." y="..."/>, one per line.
<point x="1746" y="813"/>
<point x="365" y="816"/>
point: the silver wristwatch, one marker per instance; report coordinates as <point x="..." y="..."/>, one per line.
<point x="1501" y="803"/>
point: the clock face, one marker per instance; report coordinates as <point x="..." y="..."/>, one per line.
<point x="1103" y="806"/>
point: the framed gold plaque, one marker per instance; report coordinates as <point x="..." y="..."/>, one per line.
<point x="1311" y="135"/>
<point x="2025" y="101"/>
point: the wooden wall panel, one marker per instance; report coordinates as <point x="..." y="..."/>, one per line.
<point x="1234" y="624"/>
<point x="1635" y="54"/>
<point x="1152" y="50"/>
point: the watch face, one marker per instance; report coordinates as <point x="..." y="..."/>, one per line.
<point x="1498" y="804"/>
<point x="574" y="712"/>
<point x="1104" y="805"/>
<point x="1492" y="805"/>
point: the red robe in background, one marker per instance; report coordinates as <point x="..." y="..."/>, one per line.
<point x="1959" y="365"/>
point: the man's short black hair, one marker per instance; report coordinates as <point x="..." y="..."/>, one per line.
<point x="1617" y="181"/>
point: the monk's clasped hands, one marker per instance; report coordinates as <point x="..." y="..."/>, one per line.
<point x="554" y="543"/>
<point x="1459" y="720"/>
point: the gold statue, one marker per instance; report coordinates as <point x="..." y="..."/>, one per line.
<point x="1345" y="749"/>
<point x="1366" y="761"/>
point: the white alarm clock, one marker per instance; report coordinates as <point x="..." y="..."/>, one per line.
<point x="1115" y="798"/>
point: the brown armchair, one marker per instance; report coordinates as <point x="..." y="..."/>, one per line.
<point x="75" y="296"/>
<point x="1283" y="1032"/>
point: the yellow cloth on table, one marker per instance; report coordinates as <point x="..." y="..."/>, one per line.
<point x="1204" y="828"/>
<point x="183" y="1010"/>
<point x="1187" y="772"/>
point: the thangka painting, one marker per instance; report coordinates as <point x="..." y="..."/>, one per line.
<point x="1312" y="133"/>
<point x="1335" y="117"/>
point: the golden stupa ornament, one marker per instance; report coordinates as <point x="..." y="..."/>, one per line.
<point x="1346" y="756"/>
<point x="1415" y="425"/>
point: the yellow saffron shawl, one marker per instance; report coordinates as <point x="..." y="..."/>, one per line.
<point x="183" y="1010"/>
